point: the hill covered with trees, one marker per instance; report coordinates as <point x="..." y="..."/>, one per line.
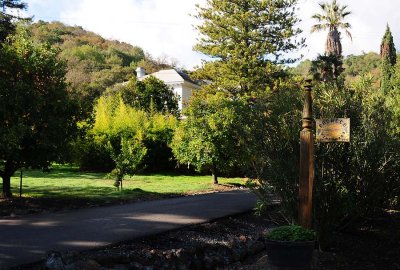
<point x="354" y="66"/>
<point x="93" y="62"/>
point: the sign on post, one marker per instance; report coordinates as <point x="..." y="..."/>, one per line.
<point x="333" y="130"/>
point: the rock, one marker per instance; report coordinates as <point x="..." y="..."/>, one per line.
<point x="88" y="264"/>
<point x="242" y="238"/>
<point x="179" y="252"/>
<point x="169" y="255"/>
<point x="54" y="261"/>
<point x="208" y="262"/>
<point x="118" y="267"/>
<point x="255" y="247"/>
<point x="183" y="266"/>
<point x="135" y="266"/>
<point x="262" y="262"/>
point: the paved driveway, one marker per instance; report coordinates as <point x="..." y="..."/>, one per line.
<point x="27" y="239"/>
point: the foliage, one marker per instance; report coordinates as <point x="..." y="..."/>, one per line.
<point x="219" y="133"/>
<point x="354" y="66"/>
<point x="388" y="49"/>
<point x="246" y="39"/>
<point x="388" y="58"/>
<point x="353" y="179"/>
<point x="366" y="177"/>
<point x="393" y="102"/>
<point x="358" y="65"/>
<point x="7" y="19"/>
<point x="36" y="111"/>
<point x="151" y="94"/>
<point x="128" y="133"/>
<point x="91" y="155"/>
<point x="276" y="169"/>
<point x="93" y="63"/>
<point x="326" y="68"/>
<point x="332" y="19"/>
<point x="290" y="233"/>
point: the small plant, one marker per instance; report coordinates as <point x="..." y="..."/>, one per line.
<point x="292" y="233"/>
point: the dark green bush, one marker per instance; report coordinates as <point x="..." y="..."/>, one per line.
<point x="293" y="233"/>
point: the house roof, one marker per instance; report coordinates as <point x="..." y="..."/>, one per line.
<point x="172" y="76"/>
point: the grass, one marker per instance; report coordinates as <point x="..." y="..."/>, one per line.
<point x="66" y="182"/>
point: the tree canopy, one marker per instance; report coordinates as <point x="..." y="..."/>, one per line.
<point x="246" y="40"/>
<point x="36" y="112"/>
<point x="7" y="18"/>
<point x="388" y="59"/>
<point x="332" y="18"/>
<point x="151" y="94"/>
<point x="131" y="135"/>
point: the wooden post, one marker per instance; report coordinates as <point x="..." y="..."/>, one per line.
<point x="306" y="162"/>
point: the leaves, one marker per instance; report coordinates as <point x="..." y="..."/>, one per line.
<point x="246" y="39"/>
<point x="129" y="133"/>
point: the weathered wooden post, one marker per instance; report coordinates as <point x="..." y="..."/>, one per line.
<point x="306" y="161"/>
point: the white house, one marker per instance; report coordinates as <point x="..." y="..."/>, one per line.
<point x="178" y="81"/>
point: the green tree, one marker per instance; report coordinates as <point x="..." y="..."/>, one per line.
<point x="6" y="19"/>
<point x="218" y="134"/>
<point x="246" y="40"/>
<point x="151" y="94"/>
<point x="388" y="59"/>
<point x="35" y="108"/>
<point x="326" y="68"/>
<point x="128" y="134"/>
<point x="332" y="18"/>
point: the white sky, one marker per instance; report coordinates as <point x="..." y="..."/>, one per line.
<point x="164" y="27"/>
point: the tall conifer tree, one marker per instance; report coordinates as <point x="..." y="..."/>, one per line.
<point x="388" y="58"/>
<point x="246" y="39"/>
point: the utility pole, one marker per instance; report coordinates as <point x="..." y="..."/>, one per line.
<point x="306" y="161"/>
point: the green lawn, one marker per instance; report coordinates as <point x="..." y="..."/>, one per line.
<point x="64" y="182"/>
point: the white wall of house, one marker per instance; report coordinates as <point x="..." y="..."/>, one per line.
<point x="181" y="87"/>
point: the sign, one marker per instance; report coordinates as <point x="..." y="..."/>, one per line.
<point x="333" y="130"/>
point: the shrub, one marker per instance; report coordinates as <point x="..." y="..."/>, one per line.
<point x="130" y="134"/>
<point x="292" y="233"/>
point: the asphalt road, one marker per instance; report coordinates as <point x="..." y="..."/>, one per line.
<point x="27" y="239"/>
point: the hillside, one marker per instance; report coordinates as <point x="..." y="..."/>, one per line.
<point x="354" y="66"/>
<point x="93" y="63"/>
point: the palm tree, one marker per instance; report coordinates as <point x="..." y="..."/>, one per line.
<point x="332" y="19"/>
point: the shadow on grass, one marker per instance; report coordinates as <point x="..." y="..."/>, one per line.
<point x="74" y="198"/>
<point x="238" y="185"/>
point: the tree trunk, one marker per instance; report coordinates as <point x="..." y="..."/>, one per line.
<point x="214" y="174"/>
<point x="9" y="170"/>
<point x="6" y="193"/>
<point x="333" y="44"/>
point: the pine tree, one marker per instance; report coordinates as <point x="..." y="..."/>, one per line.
<point x="246" y="40"/>
<point x="388" y="58"/>
<point x="7" y="19"/>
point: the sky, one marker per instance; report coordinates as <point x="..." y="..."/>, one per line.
<point x="164" y="28"/>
